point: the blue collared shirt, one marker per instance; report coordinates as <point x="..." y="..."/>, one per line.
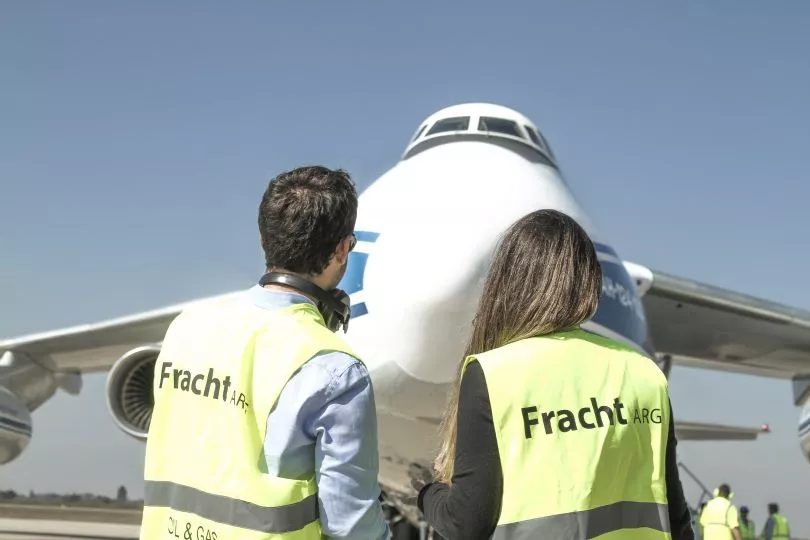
<point x="325" y="421"/>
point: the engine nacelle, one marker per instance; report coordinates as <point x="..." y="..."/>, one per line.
<point x="15" y="426"/>
<point x="129" y="390"/>
<point x="804" y="429"/>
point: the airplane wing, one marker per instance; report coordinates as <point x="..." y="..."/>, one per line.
<point x="700" y="325"/>
<point x="696" y="431"/>
<point x="92" y="347"/>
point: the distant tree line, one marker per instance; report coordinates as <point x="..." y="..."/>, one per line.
<point x="70" y="499"/>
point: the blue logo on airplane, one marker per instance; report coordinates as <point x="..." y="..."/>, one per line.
<point x="619" y="309"/>
<point x="352" y="281"/>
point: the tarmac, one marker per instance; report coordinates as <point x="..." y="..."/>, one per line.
<point x="28" y="522"/>
<point x="23" y="522"/>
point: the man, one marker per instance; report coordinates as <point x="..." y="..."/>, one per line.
<point x="776" y="527"/>
<point x="264" y="424"/>
<point x="746" y="525"/>
<point x="719" y="519"/>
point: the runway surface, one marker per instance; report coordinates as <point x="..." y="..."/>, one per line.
<point x="42" y="529"/>
<point x="22" y="522"/>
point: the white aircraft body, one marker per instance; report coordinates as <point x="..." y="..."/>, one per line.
<point x="469" y="171"/>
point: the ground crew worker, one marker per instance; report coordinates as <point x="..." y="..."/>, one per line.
<point x="776" y="526"/>
<point x="552" y="431"/>
<point x="747" y="530"/>
<point x="264" y="423"/>
<point x="719" y="519"/>
<point x="696" y="522"/>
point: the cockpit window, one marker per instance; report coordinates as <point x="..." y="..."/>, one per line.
<point x="418" y="133"/>
<point x="457" y="123"/>
<point x="539" y="140"/>
<point x="533" y="136"/>
<point x="546" y="146"/>
<point x="499" y="125"/>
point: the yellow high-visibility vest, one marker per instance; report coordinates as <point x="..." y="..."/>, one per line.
<point x="718" y="519"/>
<point x="220" y="371"/>
<point x="747" y="530"/>
<point x="781" y="529"/>
<point x="582" y="424"/>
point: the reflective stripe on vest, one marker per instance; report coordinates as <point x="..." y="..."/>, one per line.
<point x="582" y="424"/>
<point x="205" y="473"/>
<point x="231" y="511"/>
<point x="589" y="523"/>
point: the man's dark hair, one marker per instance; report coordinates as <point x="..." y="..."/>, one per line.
<point x="724" y="490"/>
<point x="303" y="216"/>
<point x="773" y="508"/>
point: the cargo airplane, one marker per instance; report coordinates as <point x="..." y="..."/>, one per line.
<point x="467" y="173"/>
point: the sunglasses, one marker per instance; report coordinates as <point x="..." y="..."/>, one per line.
<point x="353" y="242"/>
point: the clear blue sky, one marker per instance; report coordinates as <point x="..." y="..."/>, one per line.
<point x="136" y="139"/>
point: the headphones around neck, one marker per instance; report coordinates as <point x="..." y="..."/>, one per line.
<point x="716" y="493"/>
<point x="333" y="305"/>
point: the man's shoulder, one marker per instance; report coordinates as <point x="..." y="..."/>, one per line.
<point x="332" y="372"/>
<point x="326" y="378"/>
<point x="336" y="363"/>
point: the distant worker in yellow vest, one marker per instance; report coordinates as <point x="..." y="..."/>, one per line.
<point x="264" y="423"/>
<point x="776" y="527"/>
<point x="747" y="529"/>
<point x="719" y="519"/>
<point x="553" y="432"/>
<point x="698" y="530"/>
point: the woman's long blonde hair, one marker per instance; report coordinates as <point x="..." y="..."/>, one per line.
<point x="544" y="278"/>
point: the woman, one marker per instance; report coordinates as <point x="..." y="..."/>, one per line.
<point x="551" y="431"/>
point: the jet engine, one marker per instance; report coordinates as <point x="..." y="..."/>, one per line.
<point x="129" y="390"/>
